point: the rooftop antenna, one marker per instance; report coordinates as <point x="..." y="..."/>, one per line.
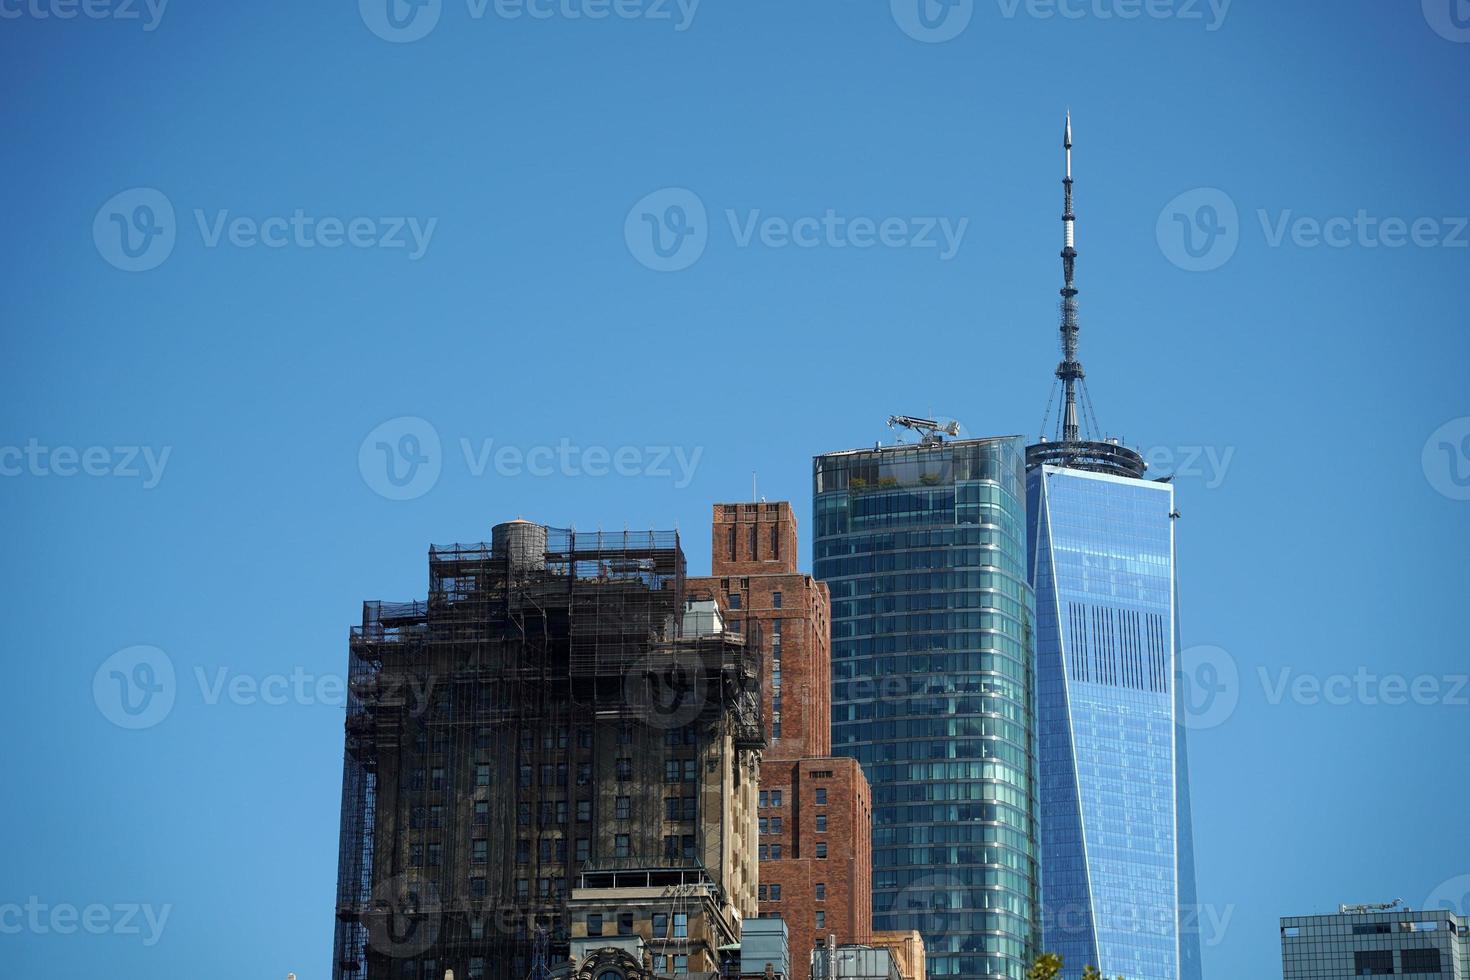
<point x="1365" y="909"/>
<point x="1070" y="370"/>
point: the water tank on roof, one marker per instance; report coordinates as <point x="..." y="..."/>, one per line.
<point x="520" y="543"/>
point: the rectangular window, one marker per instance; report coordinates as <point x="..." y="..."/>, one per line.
<point x="764" y="852"/>
<point x="482" y="775"/>
<point x="765" y="798"/>
<point x="660" y="925"/>
<point x="765" y="825"/>
<point x="594" y="923"/>
<point x="775" y="852"/>
<point x="691" y="770"/>
<point x="775" y="825"/>
<point x="671" y="846"/>
<point x="523" y="814"/>
<point x="775" y="541"/>
<point x="776" y="600"/>
<point x="1421" y="961"/>
<point x="436" y="815"/>
<point x="760" y="893"/>
<point x="681" y="925"/>
<point x="734" y="599"/>
<point x="671" y="770"/>
<point x="622" y="846"/>
<point x="479" y="850"/>
<point x="821" y="797"/>
<point x="822" y="822"/>
<point x="775" y="893"/>
<point x="436" y="855"/>
<point x="625" y="923"/>
<point x="681" y="964"/>
<point x="477" y="886"/>
<point x="735" y="626"/>
<point x="754" y="544"/>
<point x="730" y="542"/>
<point x="523" y="776"/>
<point x="821" y="891"/>
<point x="584" y="773"/>
<point x="624" y="807"/>
<point x="523" y="852"/>
<point x="477" y="968"/>
<point x="821" y="849"/>
<point x="523" y="890"/>
<point x="584" y="849"/>
<point x="584" y="811"/>
<point x="775" y="797"/>
<point x="821" y="919"/>
<point x="624" y="769"/>
<point x="482" y="813"/>
<point x="416" y="855"/>
<point x="690" y="803"/>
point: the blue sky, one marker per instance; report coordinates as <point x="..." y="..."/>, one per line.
<point x="1271" y="219"/>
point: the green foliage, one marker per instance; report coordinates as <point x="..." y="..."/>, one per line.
<point x="1048" y="966"/>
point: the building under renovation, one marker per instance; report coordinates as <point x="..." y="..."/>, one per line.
<point x="551" y="768"/>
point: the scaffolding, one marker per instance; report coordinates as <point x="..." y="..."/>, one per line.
<point x="495" y="729"/>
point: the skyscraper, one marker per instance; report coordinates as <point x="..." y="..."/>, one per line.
<point x="923" y="549"/>
<point x="1117" y="854"/>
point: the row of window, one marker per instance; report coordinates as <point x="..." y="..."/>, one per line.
<point x="773" y="797"/>
<point x="772" y="852"/>
<point x="661" y="924"/>
<point x="772" y="892"/>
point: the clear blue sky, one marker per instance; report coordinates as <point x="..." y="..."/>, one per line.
<point x="1325" y="546"/>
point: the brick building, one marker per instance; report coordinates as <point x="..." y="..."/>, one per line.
<point x="815" y="848"/>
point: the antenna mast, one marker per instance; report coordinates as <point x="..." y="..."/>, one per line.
<point x="1070" y="370"/>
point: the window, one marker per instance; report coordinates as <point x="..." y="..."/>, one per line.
<point x="691" y="770"/>
<point x="821" y="919"/>
<point x="477" y="927"/>
<point x="625" y="733"/>
<point x="671" y="845"/>
<point x="822" y="797"/>
<point x="821" y="891"/>
<point x="436" y="815"/>
<point x="671" y="770"/>
<point x="1372" y="963"/>
<point x="479" y="850"/>
<point x="660" y="925"/>
<point x="523" y="814"/>
<point x="775" y="541"/>
<point x="482" y="775"/>
<point x="436" y="855"/>
<point x="416" y="855"/>
<point x="730" y="542"/>
<point x="477" y="968"/>
<point x="523" y="852"/>
<point x="735" y="626"/>
<point x="765" y="798"/>
<point x="1421" y="960"/>
<point x="584" y="773"/>
<point x="681" y="925"/>
<point x="775" y="825"/>
<point x="775" y="797"/>
<point x="775" y="596"/>
<point x="775" y="893"/>
<point x="561" y="813"/>
<point x="689" y="847"/>
<point x="523" y="889"/>
<point x="764" y="853"/>
<point x="624" y="769"/>
<point x="765" y="825"/>
<point x="1372" y="928"/>
<point x="734" y="599"/>
<point x="584" y="811"/>
<point x="821" y="849"/>
<point x="624" y="807"/>
<point x="594" y="923"/>
<point x="543" y="849"/>
<point x="760" y="893"/>
<point x="584" y="849"/>
<point x="625" y="923"/>
<point x="681" y="964"/>
<point x="482" y="813"/>
<point x="754" y="544"/>
<point x="523" y="776"/>
<point x="822" y="822"/>
<point x="416" y="781"/>
<point x="584" y="739"/>
<point x="775" y="852"/>
<point x="622" y="846"/>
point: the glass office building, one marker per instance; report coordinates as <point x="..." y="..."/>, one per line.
<point x="1117" y="853"/>
<point x="923" y="547"/>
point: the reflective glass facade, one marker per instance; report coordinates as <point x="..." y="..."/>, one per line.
<point x="1117" y="853"/>
<point x="932" y="674"/>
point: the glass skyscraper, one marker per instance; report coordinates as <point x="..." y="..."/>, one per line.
<point x="1117" y="854"/>
<point x="924" y="550"/>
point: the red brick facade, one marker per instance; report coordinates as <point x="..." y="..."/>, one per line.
<point x="816" y="811"/>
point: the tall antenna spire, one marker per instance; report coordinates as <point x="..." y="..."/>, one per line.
<point x="1070" y="370"/>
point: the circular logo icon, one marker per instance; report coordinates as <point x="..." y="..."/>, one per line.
<point x="1211" y="687"/>
<point x="405" y="917"/>
<point x="933" y="21"/>
<point x="401" y="459"/>
<point x="400" y="21"/>
<point x="1450" y="19"/>
<point x="1199" y="230"/>
<point x="135" y="688"/>
<point x="667" y="231"/>
<point x="1453" y="895"/>
<point x="135" y="230"/>
<point x="932" y="904"/>
<point x="1446" y="459"/>
<point x="666" y="690"/>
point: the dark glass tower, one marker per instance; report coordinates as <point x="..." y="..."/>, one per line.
<point x="1118" y="856"/>
<point x="923" y="547"/>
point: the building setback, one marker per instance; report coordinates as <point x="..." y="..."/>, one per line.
<point x="923" y="548"/>
<point x="815" y="828"/>
<point x="1376" y="940"/>
<point x="543" y="772"/>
